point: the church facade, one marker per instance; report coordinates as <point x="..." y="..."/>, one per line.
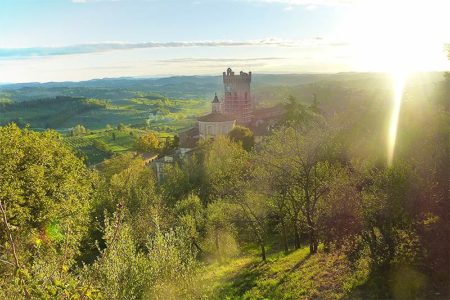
<point x="216" y="123"/>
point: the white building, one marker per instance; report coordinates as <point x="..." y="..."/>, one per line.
<point x="215" y="123"/>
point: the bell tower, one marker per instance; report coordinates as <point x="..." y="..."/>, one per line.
<point x="238" y="100"/>
<point x="216" y="105"/>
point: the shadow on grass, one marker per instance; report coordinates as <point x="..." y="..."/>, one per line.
<point x="252" y="275"/>
<point x="242" y="281"/>
<point x="293" y="269"/>
<point x="399" y="283"/>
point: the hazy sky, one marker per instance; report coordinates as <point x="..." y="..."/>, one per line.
<point x="57" y="40"/>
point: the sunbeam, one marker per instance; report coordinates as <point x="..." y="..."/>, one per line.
<point x="398" y="80"/>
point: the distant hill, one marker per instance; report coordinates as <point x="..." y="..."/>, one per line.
<point x="176" y="101"/>
<point x="182" y="87"/>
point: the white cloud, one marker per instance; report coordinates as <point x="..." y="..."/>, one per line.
<point x="18" y="53"/>
<point x="308" y="3"/>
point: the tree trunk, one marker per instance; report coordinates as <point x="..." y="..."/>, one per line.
<point x="284" y="236"/>
<point x="312" y="242"/>
<point x="263" y="251"/>
<point x="296" y="236"/>
<point x="217" y="245"/>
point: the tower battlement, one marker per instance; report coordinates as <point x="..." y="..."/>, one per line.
<point x="230" y="77"/>
<point x="238" y="100"/>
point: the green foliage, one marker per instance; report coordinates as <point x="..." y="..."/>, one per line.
<point x="148" y="143"/>
<point x="295" y="161"/>
<point x="192" y="216"/>
<point x="385" y="212"/>
<point x="319" y="179"/>
<point x="298" y="113"/>
<point x="130" y="184"/>
<point x="125" y="272"/>
<point x="45" y="198"/>
<point x="183" y="179"/>
<point x="244" y="136"/>
<point x="226" y="169"/>
<point x="221" y="237"/>
<point x="78" y="130"/>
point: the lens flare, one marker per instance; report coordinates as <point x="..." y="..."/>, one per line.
<point x="398" y="80"/>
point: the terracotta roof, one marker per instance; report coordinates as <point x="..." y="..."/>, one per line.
<point x="189" y="138"/>
<point x="216" y="117"/>
<point x="269" y="112"/>
<point x="189" y="131"/>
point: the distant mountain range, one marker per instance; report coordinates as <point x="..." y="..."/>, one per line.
<point x="131" y="82"/>
<point x="182" y="87"/>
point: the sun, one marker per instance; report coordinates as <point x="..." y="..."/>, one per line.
<point x="398" y="37"/>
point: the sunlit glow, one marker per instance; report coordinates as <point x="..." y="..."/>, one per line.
<point x="398" y="37"/>
<point x="389" y="36"/>
<point x="399" y="83"/>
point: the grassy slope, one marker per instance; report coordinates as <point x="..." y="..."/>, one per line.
<point x="164" y="115"/>
<point x="296" y="275"/>
<point x="124" y="141"/>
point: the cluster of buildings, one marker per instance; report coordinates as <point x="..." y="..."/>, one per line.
<point x="235" y="107"/>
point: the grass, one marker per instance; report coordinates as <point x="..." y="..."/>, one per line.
<point x="296" y="275"/>
<point x="115" y="141"/>
<point x="162" y="115"/>
<point x="155" y="112"/>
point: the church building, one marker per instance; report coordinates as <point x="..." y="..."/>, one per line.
<point x="216" y="123"/>
<point x="235" y="107"/>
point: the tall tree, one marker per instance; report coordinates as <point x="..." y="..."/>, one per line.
<point x="244" y="136"/>
<point x="229" y="172"/>
<point x="45" y="199"/>
<point x="300" y="155"/>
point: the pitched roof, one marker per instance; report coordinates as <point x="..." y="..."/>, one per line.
<point x="216" y="99"/>
<point x="216" y="117"/>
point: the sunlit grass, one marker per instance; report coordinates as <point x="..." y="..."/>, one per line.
<point x="296" y="275"/>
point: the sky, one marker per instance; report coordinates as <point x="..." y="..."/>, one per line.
<point x="61" y="40"/>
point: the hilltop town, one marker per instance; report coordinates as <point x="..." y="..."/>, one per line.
<point x="234" y="107"/>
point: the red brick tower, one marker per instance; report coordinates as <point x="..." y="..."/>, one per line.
<point x="238" y="100"/>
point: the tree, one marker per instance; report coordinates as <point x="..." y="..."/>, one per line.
<point x="296" y="112"/>
<point x="299" y="157"/>
<point x="385" y="212"/>
<point x="45" y="200"/>
<point x="148" y="143"/>
<point x="314" y="107"/>
<point x="274" y="187"/>
<point x="342" y="219"/>
<point x="220" y="239"/>
<point x="78" y="130"/>
<point x="229" y="174"/>
<point x="192" y="216"/>
<point x="164" y="268"/>
<point x="130" y="183"/>
<point x="121" y="127"/>
<point x="184" y="179"/>
<point x="243" y="136"/>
